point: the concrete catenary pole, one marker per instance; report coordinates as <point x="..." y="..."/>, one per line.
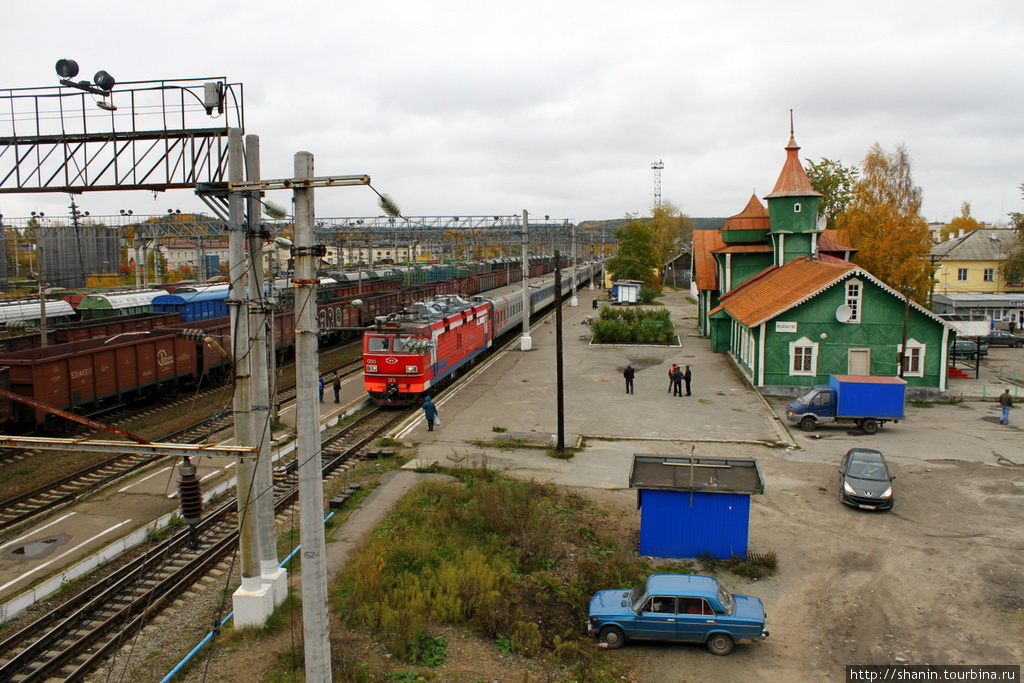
<point x="525" y="344"/>
<point x="316" y="625"/>
<point x="252" y="601"/>
<point x="574" y="300"/>
<point x="273" y="575"/>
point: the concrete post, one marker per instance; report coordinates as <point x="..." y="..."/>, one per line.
<point x="316" y="625"/>
<point x="273" y="575"/>
<point x="573" y="300"/>
<point x="253" y="602"/>
<point x="525" y="343"/>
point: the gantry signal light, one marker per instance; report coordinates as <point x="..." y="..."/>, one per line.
<point x="102" y="83"/>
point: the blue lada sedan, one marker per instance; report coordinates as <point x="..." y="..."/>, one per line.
<point x="677" y="607"/>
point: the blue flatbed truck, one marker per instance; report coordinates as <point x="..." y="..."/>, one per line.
<point x="865" y="401"/>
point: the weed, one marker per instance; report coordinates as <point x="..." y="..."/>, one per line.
<point x="498" y="429"/>
<point x="428" y="650"/>
<point x="753" y="566"/>
<point x="388" y="443"/>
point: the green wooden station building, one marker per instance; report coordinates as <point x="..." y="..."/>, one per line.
<point x="779" y="293"/>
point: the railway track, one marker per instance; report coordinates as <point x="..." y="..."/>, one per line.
<point x="64" y="491"/>
<point x="82" y="633"/>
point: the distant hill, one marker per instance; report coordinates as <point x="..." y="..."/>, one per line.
<point x="611" y="226"/>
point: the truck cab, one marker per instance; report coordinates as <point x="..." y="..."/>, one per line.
<point x="817" y="405"/>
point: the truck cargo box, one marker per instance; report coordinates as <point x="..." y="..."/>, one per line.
<point x="869" y="396"/>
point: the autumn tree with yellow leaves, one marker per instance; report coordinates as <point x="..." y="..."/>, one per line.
<point x="671" y="229"/>
<point x="883" y="220"/>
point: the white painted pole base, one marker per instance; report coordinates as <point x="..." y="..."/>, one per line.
<point x="252" y="607"/>
<point x="574" y="302"/>
<point x="525" y="343"/>
<point x="277" y="578"/>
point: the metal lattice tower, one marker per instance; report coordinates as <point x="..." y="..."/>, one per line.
<point x="657" y="166"/>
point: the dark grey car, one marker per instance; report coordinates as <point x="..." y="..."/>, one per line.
<point x="1000" y="338"/>
<point x="965" y="348"/>
<point x="864" y="480"/>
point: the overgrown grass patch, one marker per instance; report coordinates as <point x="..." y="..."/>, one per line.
<point x="514" y="561"/>
<point x="751" y="566"/>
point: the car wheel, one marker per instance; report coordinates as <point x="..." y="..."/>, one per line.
<point x="720" y="644"/>
<point x="613" y="636"/>
<point x="869" y="426"/>
<point x="808" y="423"/>
<point x="1019" y="344"/>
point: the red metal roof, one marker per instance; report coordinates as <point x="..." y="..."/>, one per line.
<point x="793" y="181"/>
<point x="779" y="288"/>
<point x="704" y="243"/>
<point x="754" y="216"/>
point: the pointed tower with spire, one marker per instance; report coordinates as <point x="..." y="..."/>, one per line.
<point x="793" y="208"/>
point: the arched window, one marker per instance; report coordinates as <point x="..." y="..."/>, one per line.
<point x="797" y="208"/>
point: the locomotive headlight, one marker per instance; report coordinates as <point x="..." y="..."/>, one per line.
<point x="411" y="369"/>
<point x="371" y="368"/>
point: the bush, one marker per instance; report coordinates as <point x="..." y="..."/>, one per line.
<point x="634" y="326"/>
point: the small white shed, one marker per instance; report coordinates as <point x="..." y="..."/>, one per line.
<point x="627" y="291"/>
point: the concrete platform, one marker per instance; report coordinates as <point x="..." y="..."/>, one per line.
<point x="515" y="391"/>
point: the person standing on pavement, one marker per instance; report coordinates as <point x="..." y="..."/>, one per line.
<point x="429" y="412"/>
<point x="337" y="388"/>
<point x="629" y="374"/>
<point x="687" y="376"/>
<point x="321" y="380"/>
<point x="676" y="376"/>
<point x="1006" y="401"/>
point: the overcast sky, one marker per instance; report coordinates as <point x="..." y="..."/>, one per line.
<point x="559" y="107"/>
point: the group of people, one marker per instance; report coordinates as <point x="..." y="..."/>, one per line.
<point x="678" y="377"/>
<point x="336" y="385"/>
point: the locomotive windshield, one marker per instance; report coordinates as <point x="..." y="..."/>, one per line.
<point x="377" y="344"/>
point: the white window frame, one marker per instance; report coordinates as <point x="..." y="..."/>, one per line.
<point x="913" y="346"/>
<point x="961" y="275"/>
<point x="854" y="301"/>
<point x="803" y="343"/>
<point x="797" y="208"/>
<point x="990" y="275"/>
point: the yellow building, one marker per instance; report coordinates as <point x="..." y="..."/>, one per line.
<point x="971" y="263"/>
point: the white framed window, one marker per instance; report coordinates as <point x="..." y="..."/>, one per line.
<point x="854" y="293"/>
<point x="913" y="358"/>
<point x="990" y="275"/>
<point x="797" y="208"/>
<point x="803" y="358"/>
<point x="961" y="274"/>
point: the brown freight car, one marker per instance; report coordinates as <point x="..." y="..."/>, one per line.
<point x="88" y="376"/>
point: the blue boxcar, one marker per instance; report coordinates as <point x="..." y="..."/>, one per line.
<point x="202" y="305"/>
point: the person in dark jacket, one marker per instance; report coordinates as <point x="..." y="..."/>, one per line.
<point x="321" y="380"/>
<point x="1006" y="402"/>
<point x="629" y="374"/>
<point x="429" y="412"/>
<point x="337" y="389"/>
<point x="687" y="375"/>
<point x="676" y="374"/>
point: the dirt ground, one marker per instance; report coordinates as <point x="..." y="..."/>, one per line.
<point x="937" y="580"/>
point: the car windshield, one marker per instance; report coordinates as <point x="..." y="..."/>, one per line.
<point x="726" y="600"/>
<point x="638" y="596"/>
<point x="377" y="344"/>
<point x="871" y="470"/>
<point x="808" y="397"/>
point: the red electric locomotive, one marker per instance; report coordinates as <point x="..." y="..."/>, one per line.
<point x="408" y="353"/>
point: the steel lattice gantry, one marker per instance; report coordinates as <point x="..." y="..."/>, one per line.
<point x="145" y="135"/>
<point x="449" y="237"/>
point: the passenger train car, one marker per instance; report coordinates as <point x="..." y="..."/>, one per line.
<point x="408" y="354"/>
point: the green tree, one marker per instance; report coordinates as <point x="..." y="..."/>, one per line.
<point x="884" y="222"/>
<point x="672" y="229"/>
<point x="637" y="256"/>
<point x="962" y="222"/>
<point x="835" y="182"/>
<point x="1013" y="266"/>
